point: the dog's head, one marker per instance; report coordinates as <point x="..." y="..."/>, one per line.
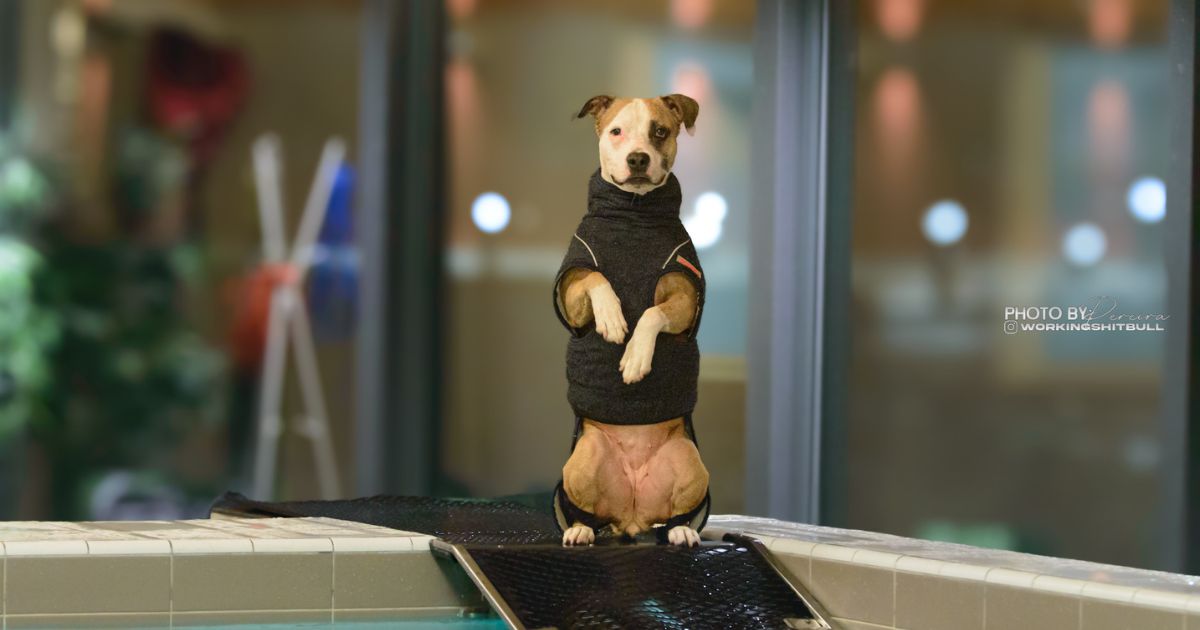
<point x="637" y="137"/>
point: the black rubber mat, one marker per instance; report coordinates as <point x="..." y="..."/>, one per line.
<point x="452" y="520"/>
<point x="716" y="585"/>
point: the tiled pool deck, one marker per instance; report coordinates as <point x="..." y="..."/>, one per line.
<point x="869" y="580"/>
<point x="205" y="572"/>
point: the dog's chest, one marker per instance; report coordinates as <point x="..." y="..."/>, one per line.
<point x="631" y="256"/>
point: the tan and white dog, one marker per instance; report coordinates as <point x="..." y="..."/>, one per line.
<point x="634" y="476"/>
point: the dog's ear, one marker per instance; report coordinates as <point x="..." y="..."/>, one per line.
<point x="685" y="109"/>
<point x="595" y="106"/>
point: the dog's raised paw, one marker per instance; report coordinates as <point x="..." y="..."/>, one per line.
<point x="578" y="535"/>
<point x="683" y="536"/>
<point x="606" y="309"/>
<point x="639" y="354"/>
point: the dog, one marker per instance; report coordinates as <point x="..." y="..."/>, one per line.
<point x="634" y="465"/>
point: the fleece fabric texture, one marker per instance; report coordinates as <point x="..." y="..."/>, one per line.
<point x="633" y="240"/>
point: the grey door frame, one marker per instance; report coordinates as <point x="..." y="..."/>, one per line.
<point x="400" y="235"/>
<point x="1179" y="517"/>
<point x="799" y="232"/>
<point x="10" y="51"/>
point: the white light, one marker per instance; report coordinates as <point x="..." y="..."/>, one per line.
<point x="704" y="224"/>
<point x="490" y="212"/>
<point x="711" y="206"/>
<point x="704" y="232"/>
<point x="1084" y="244"/>
<point x="944" y="223"/>
<point x="1147" y="199"/>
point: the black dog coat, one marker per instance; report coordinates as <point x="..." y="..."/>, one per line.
<point x="633" y="240"/>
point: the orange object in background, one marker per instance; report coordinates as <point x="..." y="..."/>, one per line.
<point x="250" y="297"/>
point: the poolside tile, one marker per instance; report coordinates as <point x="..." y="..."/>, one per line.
<point x="931" y="602"/>
<point x="211" y="546"/>
<point x="1014" y="608"/>
<point x="141" y="621"/>
<point x="1165" y="600"/>
<point x="135" y="547"/>
<point x="14" y="548"/>
<point x="136" y="527"/>
<point x="791" y="546"/>
<point x="255" y="528"/>
<point x="850" y="624"/>
<point x="400" y="580"/>
<point x="373" y="543"/>
<point x="1052" y="584"/>
<point x="1108" y="615"/>
<point x="398" y="614"/>
<point x="1108" y="592"/>
<point x="799" y="566"/>
<point x="117" y="584"/>
<point x="881" y="559"/>
<point x="837" y="553"/>
<point x="864" y="593"/>
<point x="292" y="545"/>
<point x="322" y="526"/>
<point x="253" y="581"/>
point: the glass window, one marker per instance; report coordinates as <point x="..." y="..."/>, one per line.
<point x="519" y="164"/>
<point x="1009" y="157"/>
<point x="133" y="294"/>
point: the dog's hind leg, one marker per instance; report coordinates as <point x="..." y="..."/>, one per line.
<point x="679" y="462"/>
<point x="593" y="481"/>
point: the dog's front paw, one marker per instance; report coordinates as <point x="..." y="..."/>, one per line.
<point x="578" y="535"/>
<point x="639" y="354"/>
<point x="606" y="310"/>
<point x="683" y="536"/>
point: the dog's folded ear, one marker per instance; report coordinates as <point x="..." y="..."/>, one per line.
<point x="685" y="108"/>
<point x="595" y="106"/>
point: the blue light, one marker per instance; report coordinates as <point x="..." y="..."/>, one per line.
<point x="1147" y="199"/>
<point x="944" y="223"/>
<point x="490" y="212"/>
<point x="1084" y="244"/>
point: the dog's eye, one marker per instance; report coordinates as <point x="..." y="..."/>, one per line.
<point x="661" y="132"/>
<point x="616" y="131"/>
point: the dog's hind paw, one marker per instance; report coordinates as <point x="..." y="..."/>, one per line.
<point x="683" y="536"/>
<point x="578" y="535"/>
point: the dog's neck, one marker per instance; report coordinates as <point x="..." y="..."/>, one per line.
<point x="660" y="205"/>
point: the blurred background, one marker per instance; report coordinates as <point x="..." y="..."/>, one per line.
<point x="1005" y="154"/>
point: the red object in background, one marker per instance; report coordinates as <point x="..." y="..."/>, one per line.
<point x="251" y="300"/>
<point x="194" y="89"/>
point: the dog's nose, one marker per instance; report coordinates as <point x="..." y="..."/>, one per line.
<point x="638" y="162"/>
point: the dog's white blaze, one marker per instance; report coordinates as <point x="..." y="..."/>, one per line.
<point x="634" y="122"/>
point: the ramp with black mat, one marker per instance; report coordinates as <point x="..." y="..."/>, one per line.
<point x="512" y="552"/>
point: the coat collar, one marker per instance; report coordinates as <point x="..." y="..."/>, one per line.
<point x="660" y="205"/>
